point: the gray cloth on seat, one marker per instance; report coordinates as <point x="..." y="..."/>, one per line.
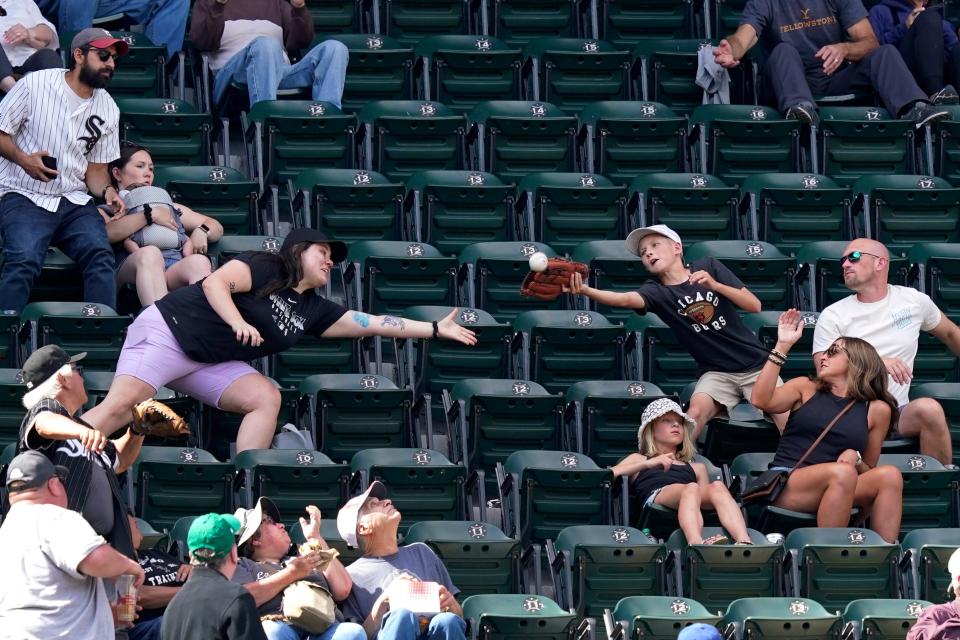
<point x="712" y="78"/>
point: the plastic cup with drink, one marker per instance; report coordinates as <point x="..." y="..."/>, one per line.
<point x="126" y="598"/>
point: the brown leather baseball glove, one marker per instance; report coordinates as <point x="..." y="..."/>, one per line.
<point x="549" y="283"/>
<point x="153" y="418"/>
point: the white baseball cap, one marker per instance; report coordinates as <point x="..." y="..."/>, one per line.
<point x="635" y="236"/>
<point x="347" y="516"/>
<point x="953" y="565"/>
<point x="661" y="407"/>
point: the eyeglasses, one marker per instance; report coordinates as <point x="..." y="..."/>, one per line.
<point x="835" y="349"/>
<point x="78" y="369"/>
<point x="854" y="256"/>
<point x="103" y="54"/>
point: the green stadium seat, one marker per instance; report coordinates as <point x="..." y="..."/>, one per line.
<point x="349" y="204"/>
<point x="490" y="276"/>
<point x="947" y="149"/>
<point x="883" y="619"/>
<point x="401" y="137"/>
<point x="790" y="210"/>
<point x="659" y="617"/>
<point x="926" y="553"/>
<point x="613" y="268"/>
<point x="936" y="267"/>
<point x="151" y="537"/>
<point x="858" y="141"/>
<point x="746" y="428"/>
<point x="174" y="131"/>
<point x="312" y="356"/>
<point x="172" y="482"/>
<point x="387" y="277"/>
<point x="480" y="558"/>
<point x="595" y="566"/>
<point x="517" y="23"/>
<point x="575" y="72"/>
<point x="422" y="483"/>
<point x="903" y="210"/>
<point x="820" y="276"/>
<point x="697" y="206"/>
<point x="601" y="416"/>
<point x="380" y="68"/>
<point x="657" y="355"/>
<point x="9" y="328"/>
<point x="408" y="21"/>
<point x="517" y="617"/>
<point x="222" y="193"/>
<point x="292" y="478"/>
<point x="564" y="210"/>
<point x="835" y="566"/>
<point x="453" y="209"/>
<point x="349" y="412"/>
<point x="765" y="323"/>
<point x="626" y="22"/>
<point x="11" y="406"/>
<point x="779" y="619"/>
<point x="948" y="395"/>
<point x="930" y="493"/>
<point x="177" y="540"/>
<point x="762" y="268"/>
<point x="230" y="246"/>
<point x="338" y="16"/>
<point x="512" y="138"/>
<point x="462" y="71"/>
<point x="734" y="142"/>
<point x="75" y="326"/>
<point x="60" y="280"/>
<point x="622" y="139"/>
<point x="727" y="15"/>
<point x="560" y="348"/>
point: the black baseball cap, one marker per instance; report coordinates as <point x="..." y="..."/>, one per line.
<point x="44" y="362"/>
<point x="31" y="469"/>
<point x="338" y="250"/>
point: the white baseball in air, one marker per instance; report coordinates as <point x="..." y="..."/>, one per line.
<point x="538" y="261"/>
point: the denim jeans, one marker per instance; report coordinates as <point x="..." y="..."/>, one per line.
<point x="401" y="624"/>
<point x="164" y="21"/>
<point x="277" y="630"/>
<point x="261" y="66"/>
<point x="77" y="230"/>
<point x="149" y="630"/>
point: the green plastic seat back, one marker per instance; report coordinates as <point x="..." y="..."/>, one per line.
<point x="478" y="555"/>
<point x="947" y="148"/>
<point x="743" y="140"/>
<point x="626" y="23"/>
<point x="138" y="73"/>
<point x="634" y="137"/>
<point x="574" y="72"/>
<point x="357" y="411"/>
<point x="412" y="135"/>
<point x="932" y="549"/>
<point x="230" y="246"/>
<point x="940" y="263"/>
<point x="467" y="70"/>
<point x="11" y="405"/>
<point x="222" y="193"/>
<point x="178" y="538"/>
<point x="728" y="15"/>
<point x="498" y="270"/>
<point x="858" y="141"/>
<point x="78" y="326"/>
<point x="838" y="565"/>
<point x="517" y="23"/>
<point x="176" y="481"/>
<point x="379" y="69"/>
<point x="908" y="209"/>
<point x="311" y="356"/>
<point x="460" y="208"/>
<point x="292" y="478"/>
<point x="885" y="618"/>
<point x="352" y="205"/>
<point x="663" y="360"/>
<point x="336" y="16"/>
<point x="764" y="324"/>
<point x="781" y="618"/>
<point x="608" y="563"/>
<point x="671" y="68"/>
<point x="794" y="209"/>
<point x="929" y="491"/>
<point x="764" y="270"/>
<point x="410" y="20"/>
<point x="698" y="207"/>
<point x="572" y="208"/>
<point x="398" y="274"/>
<point x="151" y="537"/>
<point x="823" y="259"/>
<point x="948" y="395"/>
<point x="612" y="268"/>
<point x="661" y="617"/>
<point x="173" y="130"/>
<point x="9" y="327"/>
<point x="60" y="279"/>
<point x="517" y="617"/>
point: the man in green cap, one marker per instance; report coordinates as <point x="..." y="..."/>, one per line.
<point x="209" y="606"/>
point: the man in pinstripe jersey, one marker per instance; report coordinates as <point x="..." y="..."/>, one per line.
<point x="58" y="132"/>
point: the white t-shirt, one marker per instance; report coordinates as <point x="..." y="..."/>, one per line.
<point x="891" y="325"/>
<point x="42" y="594"/>
<point x="27" y="14"/>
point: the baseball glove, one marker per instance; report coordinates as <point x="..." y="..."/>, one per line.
<point x="549" y="283"/>
<point x="153" y="418"/>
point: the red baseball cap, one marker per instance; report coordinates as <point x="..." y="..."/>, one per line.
<point x="98" y="39"/>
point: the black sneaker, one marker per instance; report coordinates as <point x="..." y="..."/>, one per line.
<point x="924" y="113"/>
<point x="947" y="95"/>
<point x="803" y="113"/>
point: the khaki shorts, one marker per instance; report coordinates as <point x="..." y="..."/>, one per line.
<point x="728" y="389"/>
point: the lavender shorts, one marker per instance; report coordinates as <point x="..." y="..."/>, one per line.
<point x="151" y="354"/>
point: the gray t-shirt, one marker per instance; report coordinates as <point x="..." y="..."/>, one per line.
<point x="372" y="575"/>
<point x="249" y="570"/>
<point x="807" y="26"/>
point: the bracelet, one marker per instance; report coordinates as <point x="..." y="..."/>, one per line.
<point x="148" y="213"/>
<point x="777" y="361"/>
<point x="780" y="355"/>
<point x="436" y="330"/>
<point x="103" y="194"/>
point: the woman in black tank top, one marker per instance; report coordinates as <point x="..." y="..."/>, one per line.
<point x="663" y="472"/>
<point x="841" y="471"/>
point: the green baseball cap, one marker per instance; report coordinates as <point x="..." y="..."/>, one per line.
<point x="212" y="535"/>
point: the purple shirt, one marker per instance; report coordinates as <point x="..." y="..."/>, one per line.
<point x="939" y="622"/>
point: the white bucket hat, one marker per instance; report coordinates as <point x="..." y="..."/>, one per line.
<point x="661" y="407"/>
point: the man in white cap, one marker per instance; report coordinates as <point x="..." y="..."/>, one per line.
<point x="941" y="621"/>
<point x="53" y="562"/>
<point x="700" y="302"/>
<point x="370" y="522"/>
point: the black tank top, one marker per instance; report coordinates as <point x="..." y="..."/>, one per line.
<point x="807" y="422"/>
<point x="650" y="480"/>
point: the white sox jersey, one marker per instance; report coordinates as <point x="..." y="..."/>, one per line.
<point x="42" y="113"/>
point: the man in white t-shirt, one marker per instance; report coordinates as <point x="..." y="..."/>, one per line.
<point x="53" y="562"/>
<point x="891" y="317"/>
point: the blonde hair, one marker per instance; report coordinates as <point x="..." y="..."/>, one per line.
<point x="685" y="451"/>
<point x="49" y="388"/>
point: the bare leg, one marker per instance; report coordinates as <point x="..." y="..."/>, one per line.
<point x="685" y="498"/>
<point x="259" y="400"/>
<point x="924" y="418"/>
<point x="880" y="492"/>
<point x="144" y="269"/>
<point x="114" y="412"/>
<point x="190" y="269"/>
<point x="716" y="496"/>
<point x="825" y="489"/>
<point x="702" y="409"/>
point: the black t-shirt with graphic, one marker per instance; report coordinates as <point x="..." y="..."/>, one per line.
<point x="705" y="322"/>
<point x="807" y="26"/>
<point x="159" y="570"/>
<point x="281" y="318"/>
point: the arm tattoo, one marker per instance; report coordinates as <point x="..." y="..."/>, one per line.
<point x="361" y="319"/>
<point x="233" y="286"/>
<point x="391" y="321"/>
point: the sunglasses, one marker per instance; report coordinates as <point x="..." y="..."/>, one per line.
<point x="854" y="256"/>
<point x="834" y="350"/>
<point x="78" y="369"/>
<point x="104" y="55"/>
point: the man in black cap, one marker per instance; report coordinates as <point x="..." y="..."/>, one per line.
<point x="198" y="339"/>
<point x="55" y="393"/>
<point x="53" y="562"/>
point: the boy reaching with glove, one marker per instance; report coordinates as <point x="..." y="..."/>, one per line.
<point x="699" y="302"/>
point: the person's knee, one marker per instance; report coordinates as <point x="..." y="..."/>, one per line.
<point x="928" y="20"/>
<point x="197" y="265"/>
<point x="884" y="53"/>
<point x="843" y="475"/>
<point x="929" y="414"/>
<point x="264" y="46"/>
<point x="402" y="619"/>
<point x="446" y="623"/>
<point x="889" y="477"/>
<point x="349" y="631"/>
<point x="717" y="489"/>
<point x="148" y="257"/>
<point x="691" y="491"/>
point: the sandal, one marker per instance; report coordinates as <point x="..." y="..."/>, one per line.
<point x="717" y="539"/>
<point x="743" y="543"/>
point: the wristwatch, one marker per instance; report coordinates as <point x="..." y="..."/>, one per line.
<point x="204" y="228"/>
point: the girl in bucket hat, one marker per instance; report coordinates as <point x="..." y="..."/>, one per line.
<point x="663" y="472"/>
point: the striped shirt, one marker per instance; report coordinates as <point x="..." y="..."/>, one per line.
<point x="42" y="113"/>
